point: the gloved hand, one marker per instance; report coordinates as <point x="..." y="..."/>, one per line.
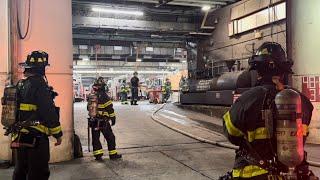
<point x="113" y="121"/>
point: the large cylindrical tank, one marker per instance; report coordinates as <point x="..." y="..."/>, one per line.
<point x="202" y="85"/>
<point x="233" y="80"/>
<point x="289" y="129"/>
<point x="227" y="81"/>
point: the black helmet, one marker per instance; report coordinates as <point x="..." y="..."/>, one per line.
<point x="99" y="82"/>
<point x="270" y="59"/>
<point x="37" y="59"/>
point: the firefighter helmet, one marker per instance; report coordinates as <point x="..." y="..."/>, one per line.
<point x="270" y="58"/>
<point x="36" y="59"/>
<point x="99" y="82"/>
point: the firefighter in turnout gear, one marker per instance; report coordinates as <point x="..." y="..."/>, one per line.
<point x="166" y="90"/>
<point x="37" y="118"/>
<point x="100" y="116"/>
<point x="252" y="121"/>
<point x="124" y="92"/>
<point x="134" y="88"/>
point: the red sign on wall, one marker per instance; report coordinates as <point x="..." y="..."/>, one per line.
<point x="311" y="87"/>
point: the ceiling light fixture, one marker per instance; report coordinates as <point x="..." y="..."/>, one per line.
<point x="117" y="11"/>
<point x="206" y="8"/>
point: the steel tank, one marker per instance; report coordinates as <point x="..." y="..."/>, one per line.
<point x="289" y="129"/>
<point x="227" y="81"/>
<point x="233" y="80"/>
<point x="201" y="85"/>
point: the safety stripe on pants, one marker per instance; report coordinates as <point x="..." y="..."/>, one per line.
<point x="112" y="152"/>
<point x="97" y="152"/>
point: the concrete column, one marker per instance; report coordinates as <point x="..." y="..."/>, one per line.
<point x="5" y="152"/>
<point x="304" y="28"/>
<point x="50" y="31"/>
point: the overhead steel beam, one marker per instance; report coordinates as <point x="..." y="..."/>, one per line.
<point x="118" y="72"/>
<point x="202" y="2"/>
<point x="182" y="11"/>
<point x="182" y="3"/>
<point x="134" y="39"/>
<point x="127" y="24"/>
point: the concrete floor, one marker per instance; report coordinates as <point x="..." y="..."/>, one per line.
<point x="150" y="151"/>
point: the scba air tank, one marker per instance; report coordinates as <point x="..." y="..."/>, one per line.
<point x="93" y="105"/>
<point x="289" y="130"/>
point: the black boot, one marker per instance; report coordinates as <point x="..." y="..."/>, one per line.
<point x="115" y="156"/>
<point x="98" y="157"/>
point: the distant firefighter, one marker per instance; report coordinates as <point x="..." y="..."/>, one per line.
<point x="166" y="90"/>
<point x="134" y="88"/>
<point x="183" y="84"/>
<point x="101" y="111"/>
<point x="124" y="90"/>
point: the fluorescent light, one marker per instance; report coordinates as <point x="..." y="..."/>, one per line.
<point x="206" y="8"/>
<point x="184" y="61"/>
<point x="138" y="60"/>
<point x="117" y="11"/>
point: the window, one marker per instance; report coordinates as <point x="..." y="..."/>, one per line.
<point x="261" y="18"/>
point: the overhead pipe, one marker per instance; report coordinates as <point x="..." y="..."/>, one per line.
<point x="200" y="33"/>
<point x="184" y="3"/>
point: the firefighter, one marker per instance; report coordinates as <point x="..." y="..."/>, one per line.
<point x="100" y="123"/>
<point x="245" y="126"/>
<point x="166" y="90"/>
<point x="36" y="107"/>
<point x="134" y="88"/>
<point x="183" y="84"/>
<point x="124" y="92"/>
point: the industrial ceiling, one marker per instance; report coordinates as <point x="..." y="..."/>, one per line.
<point x="166" y="26"/>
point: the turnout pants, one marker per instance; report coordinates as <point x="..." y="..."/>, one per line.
<point x="106" y="130"/>
<point x="32" y="163"/>
<point x="134" y="91"/>
<point x="166" y="96"/>
<point x="124" y="97"/>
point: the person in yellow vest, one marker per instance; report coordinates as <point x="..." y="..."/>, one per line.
<point x="166" y="90"/>
<point x="124" y="89"/>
